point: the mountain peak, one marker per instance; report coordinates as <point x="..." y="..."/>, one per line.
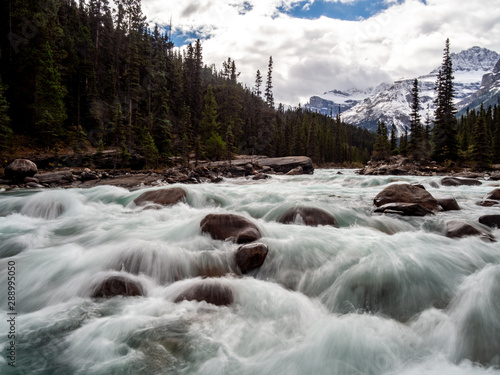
<point x="474" y="59"/>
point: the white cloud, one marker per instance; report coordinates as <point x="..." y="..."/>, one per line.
<point x="313" y="56"/>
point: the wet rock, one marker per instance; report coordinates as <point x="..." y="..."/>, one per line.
<point x="163" y="197"/>
<point x="210" y="291"/>
<point x="405" y="193"/>
<point x="404" y="209"/>
<point x="295" y="171"/>
<point x="494" y="195"/>
<point x="19" y="169"/>
<point x="286" y="164"/>
<point x="453" y="181"/>
<point x="228" y="226"/>
<point x="117" y="286"/>
<point x="27" y="180"/>
<point x="55" y="178"/>
<point x="260" y="176"/>
<point x="33" y="185"/>
<point x="88" y="175"/>
<point x="448" y="204"/>
<point x="251" y="256"/>
<point x="310" y="216"/>
<point x="492" y="221"/>
<point x="488" y="203"/>
<point x="460" y="229"/>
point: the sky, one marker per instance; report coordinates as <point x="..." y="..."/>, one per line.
<point x="321" y="45"/>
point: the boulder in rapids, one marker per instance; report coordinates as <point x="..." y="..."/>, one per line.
<point x="228" y="226"/>
<point x="163" y="197"/>
<point x="460" y="229"/>
<point x="448" y="204"/>
<point x="492" y="221"/>
<point x="117" y="286"/>
<point x="487" y="203"/>
<point x="210" y="291"/>
<point x="251" y="256"/>
<point x="56" y="178"/>
<point x="295" y="171"/>
<point x="494" y="195"/>
<point x="19" y="169"/>
<point x="405" y="193"/>
<point x="404" y="209"/>
<point x="453" y="181"/>
<point x="310" y="216"/>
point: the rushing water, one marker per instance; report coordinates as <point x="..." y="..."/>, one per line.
<point x="378" y="295"/>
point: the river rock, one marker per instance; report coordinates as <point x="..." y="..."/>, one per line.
<point x="405" y="193"/>
<point x="251" y="256"/>
<point x="163" y="197"/>
<point x="460" y="229"/>
<point x="448" y="204"/>
<point x="260" y="176"/>
<point x="210" y="291"/>
<point x="19" y="169"/>
<point x="310" y="216"/>
<point x="492" y="221"/>
<point x="404" y="209"/>
<point x="295" y="171"/>
<point x="117" y="286"/>
<point x="453" y="181"/>
<point x="286" y="164"/>
<point x="486" y="203"/>
<point x="56" y="178"/>
<point x="495" y="195"/>
<point x="228" y="226"/>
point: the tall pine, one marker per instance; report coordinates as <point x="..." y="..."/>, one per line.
<point x="269" y="84"/>
<point x="445" y="122"/>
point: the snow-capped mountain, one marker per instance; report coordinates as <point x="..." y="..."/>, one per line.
<point x="391" y="102"/>
<point x="330" y="102"/>
<point x="488" y="94"/>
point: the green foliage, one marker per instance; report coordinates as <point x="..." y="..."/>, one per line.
<point x="445" y="122"/>
<point x="49" y="99"/>
<point x="382" y="147"/>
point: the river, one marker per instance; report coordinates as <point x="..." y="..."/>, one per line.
<point x="380" y="294"/>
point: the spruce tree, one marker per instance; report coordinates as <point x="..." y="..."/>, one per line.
<point x="415" y="145"/>
<point x="381" y="149"/>
<point x="394" y="145"/>
<point x="482" y="149"/>
<point x="258" y="83"/>
<point x="49" y="103"/>
<point x="445" y="122"/>
<point x="269" y="84"/>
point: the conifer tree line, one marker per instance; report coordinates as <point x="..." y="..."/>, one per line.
<point x="473" y="139"/>
<point x="89" y="75"/>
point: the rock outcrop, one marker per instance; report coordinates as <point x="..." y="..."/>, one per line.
<point x="117" y="286"/>
<point x="251" y="256"/>
<point x="460" y="229"/>
<point x="162" y="197"/>
<point x="454" y="181"/>
<point x="210" y="291"/>
<point x="307" y="215"/>
<point x="19" y="169"/>
<point x="407" y="194"/>
<point x="230" y="227"/>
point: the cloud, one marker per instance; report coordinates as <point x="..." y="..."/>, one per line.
<point x="314" y="56"/>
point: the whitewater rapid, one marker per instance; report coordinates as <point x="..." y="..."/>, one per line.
<point x="380" y="294"/>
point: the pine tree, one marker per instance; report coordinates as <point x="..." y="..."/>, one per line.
<point x="269" y="84"/>
<point x="381" y="149"/>
<point x="482" y="150"/>
<point x="5" y="130"/>
<point x="210" y="137"/>
<point x="394" y="145"/>
<point x="445" y="128"/>
<point x="416" y="141"/>
<point x="49" y="103"/>
<point x="403" y="143"/>
<point x="258" y="83"/>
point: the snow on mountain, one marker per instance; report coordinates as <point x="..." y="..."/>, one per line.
<point x="391" y="102"/>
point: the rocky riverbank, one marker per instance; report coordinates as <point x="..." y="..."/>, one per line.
<point x="23" y="173"/>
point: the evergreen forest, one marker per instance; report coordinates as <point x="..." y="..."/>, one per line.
<point x="89" y="76"/>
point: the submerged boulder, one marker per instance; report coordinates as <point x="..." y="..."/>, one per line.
<point x="117" y="286"/>
<point x="210" y="291"/>
<point x="492" y="221"/>
<point x="448" y="204"/>
<point x="163" y="197"/>
<point x="494" y="195"/>
<point x="460" y="229"/>
<point x="404" y="209"/>
<point x="311" y="216"/>
<point x="19" y="169"/>
<point x="453" y="181"/>
<point x="251" y="256"/>
<point x="405" y="193"/>
<point x="228" y="226"/>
